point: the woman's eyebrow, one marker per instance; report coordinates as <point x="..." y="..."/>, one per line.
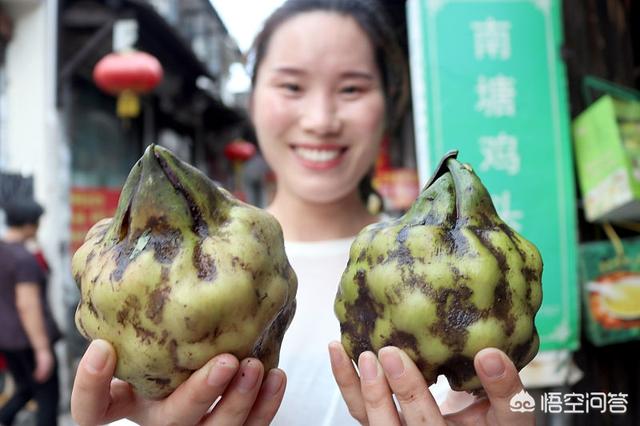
<point x="357" y="74"/>
<point x="364" y="75"/>
<point x="289" y="70"/>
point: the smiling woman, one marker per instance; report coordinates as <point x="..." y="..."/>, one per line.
<point x="318" y="108"/>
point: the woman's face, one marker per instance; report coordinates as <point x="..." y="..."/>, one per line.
<point x="318" y="106"/>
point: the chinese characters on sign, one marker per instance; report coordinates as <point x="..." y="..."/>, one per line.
<point x="502" y="203"/>
<point x="571" y="403"/>
<point x="492" y="39"/>
<point x="488" y="80"/>
<point x="88" y="206"/>
<point x="496" y="97"/>
<point x="500" y="152"/>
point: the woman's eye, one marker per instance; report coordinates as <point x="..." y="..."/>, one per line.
<point x="291" y="87"/>
<point x="351" y="90"/>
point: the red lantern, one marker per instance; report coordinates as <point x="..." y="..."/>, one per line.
<point x="127" y="75"/>
<point x="238" y="152"/>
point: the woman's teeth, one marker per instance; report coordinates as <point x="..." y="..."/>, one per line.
<point x="318" y="155"/>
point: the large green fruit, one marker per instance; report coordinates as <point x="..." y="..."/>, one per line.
<point x="442" y="282"/>
<point x="183" y="272"/>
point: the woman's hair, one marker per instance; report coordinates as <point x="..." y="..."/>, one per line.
<point x="372" y="18"/>
<point x="23" y="212"/>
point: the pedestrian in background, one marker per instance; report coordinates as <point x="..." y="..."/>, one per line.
<point x="28" y="330"/>
<point x="328" y="80"/>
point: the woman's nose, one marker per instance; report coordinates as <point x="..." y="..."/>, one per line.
<point x="320" y="116"/>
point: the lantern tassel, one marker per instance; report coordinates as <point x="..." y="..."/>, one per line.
<point x="128" y="105"/>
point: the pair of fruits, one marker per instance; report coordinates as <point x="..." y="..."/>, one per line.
<point x="184" y="271"/>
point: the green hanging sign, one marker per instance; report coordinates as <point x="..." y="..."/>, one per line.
<point x="487" y="79"/>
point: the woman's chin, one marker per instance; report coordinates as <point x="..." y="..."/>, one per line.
<point x="321" y="194"/>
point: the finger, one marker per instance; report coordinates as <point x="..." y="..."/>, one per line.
<point x="240" y="396"/>
<point x="381" y="410"/>
<point x="193" y="398"/>
<point x="501" y="382"/>
<point x="411" y="390"/>
<point x="123" y="401"/>
<point x="90" y="397"/>
<point x="456" y="401"/>
<point x="470" y="414"/>
<point x="348" y="381"/>
<point x="268" y="400"/>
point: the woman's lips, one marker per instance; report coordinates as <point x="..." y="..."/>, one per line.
<point x="321" y="157"/>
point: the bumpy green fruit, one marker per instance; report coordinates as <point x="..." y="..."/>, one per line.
<point x="183" y="272"/>
<point x="442" y="282"/>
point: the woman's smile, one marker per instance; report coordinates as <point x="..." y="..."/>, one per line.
<point x="319" y="157"/>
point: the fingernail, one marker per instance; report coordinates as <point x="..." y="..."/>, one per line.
<point x="273" y="383"/>
<point x="97" y="356"/>
<point x="391" y="362"/>
<point x="492" y="365"/>
<point x="220" y="373"/>
<point x="249" y="373"/>
<point x="368" y="366"/>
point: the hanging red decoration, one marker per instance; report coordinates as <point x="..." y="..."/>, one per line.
<point x="239" y="152"/>
<point x="127" y="75"/>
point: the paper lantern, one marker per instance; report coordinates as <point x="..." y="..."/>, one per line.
<point x="239" y="150"/>
<point x="128" y="75"/>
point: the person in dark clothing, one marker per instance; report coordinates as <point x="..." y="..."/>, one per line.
<point x="28" y="330"/>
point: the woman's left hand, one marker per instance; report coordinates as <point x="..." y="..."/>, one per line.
<point x="369" y="396"/>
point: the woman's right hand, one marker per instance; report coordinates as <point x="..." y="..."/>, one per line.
<point x="97" y="398"/>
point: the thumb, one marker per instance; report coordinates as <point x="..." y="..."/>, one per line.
<point x="501" y="382"/>
<point x="90" y="397"/>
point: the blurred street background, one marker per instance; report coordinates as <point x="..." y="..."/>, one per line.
<point x="541" y="96"/>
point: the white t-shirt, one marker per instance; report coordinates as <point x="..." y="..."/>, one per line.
<point x="312" y="394"/>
